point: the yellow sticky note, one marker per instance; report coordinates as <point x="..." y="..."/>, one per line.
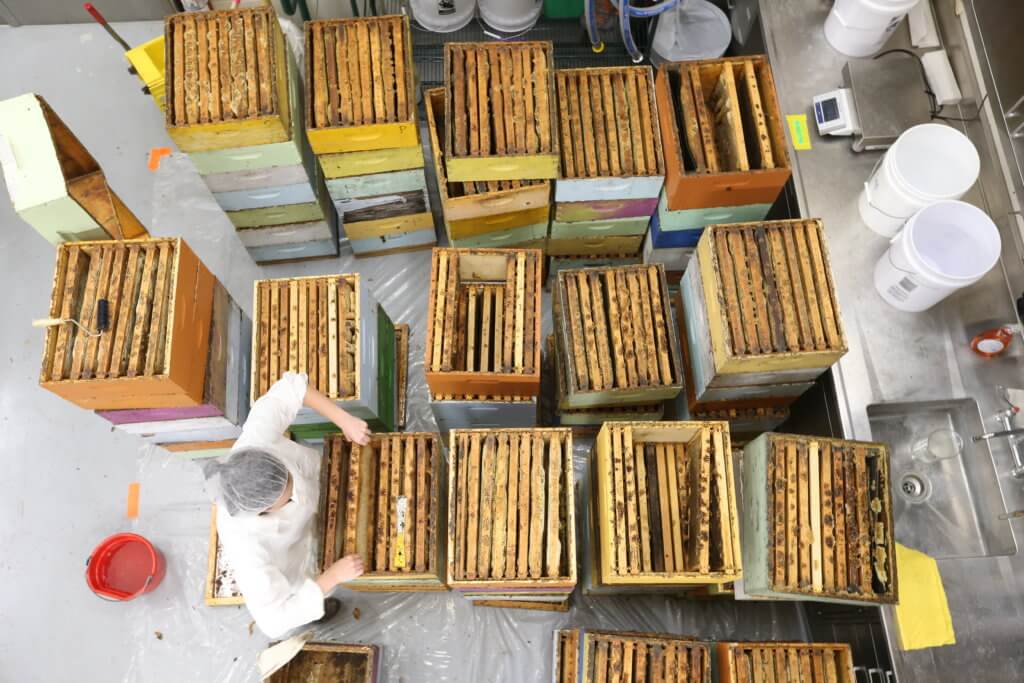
<point x="922" y="615"/>
<point x="799" y="134"/>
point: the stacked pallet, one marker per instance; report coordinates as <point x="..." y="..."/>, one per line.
<point x="234" y="104"/>
<point x="725" y="148"/>
<point x="221" y="587"/>
<point x="818" y="521"/>
<point x="595" y="415"/>
<point x="483" y="335"/>
<point x="331" y="663"/>
<point x="492" y="213"/>
<point x="361" y="121"/>
<point x="664" y="507"/>
<point x="384" y="502"/>
<point x="332" y="329"/>
<point x="142" y="333"/>
<point x="615" y="336"/>
<point x="511" y="515"/>
<point x="760" y="319"/>
<point x="54" y="183"/>
<point x="807" y="662"/>
<point x="594" y="656"/>
<point x="612" y="165"/>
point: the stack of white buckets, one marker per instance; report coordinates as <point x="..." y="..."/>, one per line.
<point x="938" y="245"/>
<point x="508" y="16"/>
<point x="859" y="28"/>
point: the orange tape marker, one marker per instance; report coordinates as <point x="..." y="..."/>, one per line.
<point x="155" y="155"/>
<point x="133" y="500"/>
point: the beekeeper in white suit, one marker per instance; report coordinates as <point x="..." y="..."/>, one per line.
<point x="267" y="491"/>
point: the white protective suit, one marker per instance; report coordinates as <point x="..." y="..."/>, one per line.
<point x="272" y="554"/>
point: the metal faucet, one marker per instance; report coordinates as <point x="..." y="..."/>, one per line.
<point x="1005" y="418"/>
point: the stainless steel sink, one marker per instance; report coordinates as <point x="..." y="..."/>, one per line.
<point x="948" y="508"/>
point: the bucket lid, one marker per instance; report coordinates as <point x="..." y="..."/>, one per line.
<point x="934" y="161"/>
<point x="954" y="240"/>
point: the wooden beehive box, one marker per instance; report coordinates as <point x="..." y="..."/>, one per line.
<point x="511" y="513"/>
<point x="331" y="663"/>
<point x="331" y="328"/>
<point x="771" y="661"/>
<point x="817" y="520"/>
<point x="483" y="329"/>
<point x="584" y="656"/>
<point x="226" y="79"/>
<point x="153" y="354"/>
<point x="762" y="317"/>
<point x="385" y="502"/>
<point x="616" y="336"/>
<point x="360" y="76"/>
<point x="476" y="207"/>
<point x="54" y="183"/>
<point x="500" y="111"/>
<point x="725" y="143"/>
<point x="221" y="588"/>
<point x="665" y="504"/>
<point x="610" y="142"/>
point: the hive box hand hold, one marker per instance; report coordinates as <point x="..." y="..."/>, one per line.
<point x="483" y="325"/>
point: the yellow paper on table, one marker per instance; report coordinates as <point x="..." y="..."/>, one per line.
<point x="922" y="615"/>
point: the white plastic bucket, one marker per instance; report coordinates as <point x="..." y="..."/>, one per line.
<point x="927" y="163"/>
<point x="943" y="247"/>
<point x="858" y="28"/>
<point x="510" y="16"/>
<point x="427" y="13"/>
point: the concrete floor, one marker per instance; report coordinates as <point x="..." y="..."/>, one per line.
<point x="65" y="474"/>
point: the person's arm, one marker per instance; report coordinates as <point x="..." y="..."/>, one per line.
<point x="354" y="429"/>
<point x="342" y="571"/>
<point x="274" y="606"/>
<point x="275" y="410"/>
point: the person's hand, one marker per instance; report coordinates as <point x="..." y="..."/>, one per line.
<point x="355" y="430"/>
<point x="346" y="569"/>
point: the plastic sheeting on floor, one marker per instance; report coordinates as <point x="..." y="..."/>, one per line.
<point x="426" y="638"/>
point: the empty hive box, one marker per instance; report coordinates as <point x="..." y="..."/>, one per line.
<point x="511" y="512"/>
<point x="723" y="132"/>
<point x="596" y="656"/>
<point x="152" y="354"/>
<point x="360" y="74"/>
<point x="760" y="314"/>
<point x="500" y="111"/>
<point x="54" y="183"/>
<point x="331" y="663"/>
<point x="486" y="213"/>
<point x="221" y="587"/>
<point x="817" y="520"/>
<point x="664" y="506"/>
<point x="612" y="166"/>
<point x="226" y="79"/>
<point x="807" y="662"/>
<point x="483" y="329"/>
<point x="385" y="502"/>
<point x="331" y="328"/>
<point x="616" y="335"/>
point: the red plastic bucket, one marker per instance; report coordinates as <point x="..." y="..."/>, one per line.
<point x="123" y="567"/>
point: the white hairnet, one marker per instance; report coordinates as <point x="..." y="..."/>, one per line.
<point x="246" y="482"/>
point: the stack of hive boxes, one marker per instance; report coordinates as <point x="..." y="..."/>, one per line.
<point x="500" y="142"/>
<point x="511" y="528"/>
<point x="616" y="340"/>
<point x="361" y="121"/>
<point x="663" y="508"/>
<point x="493" y="213"/>
<point x="54" y="183"/>
<point x="593" y="656"/>
<point x="332" y="329"/>
<point x="725" y="151"/>
<point x="483" y="355"/>
<point x="612" y="162"/>
<point x="818" y="520"/>
<point x="167" y="364"/>
<point x="760" y="319"/>
<point x="385" y="502"/>
<point x="235" y="104"/>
